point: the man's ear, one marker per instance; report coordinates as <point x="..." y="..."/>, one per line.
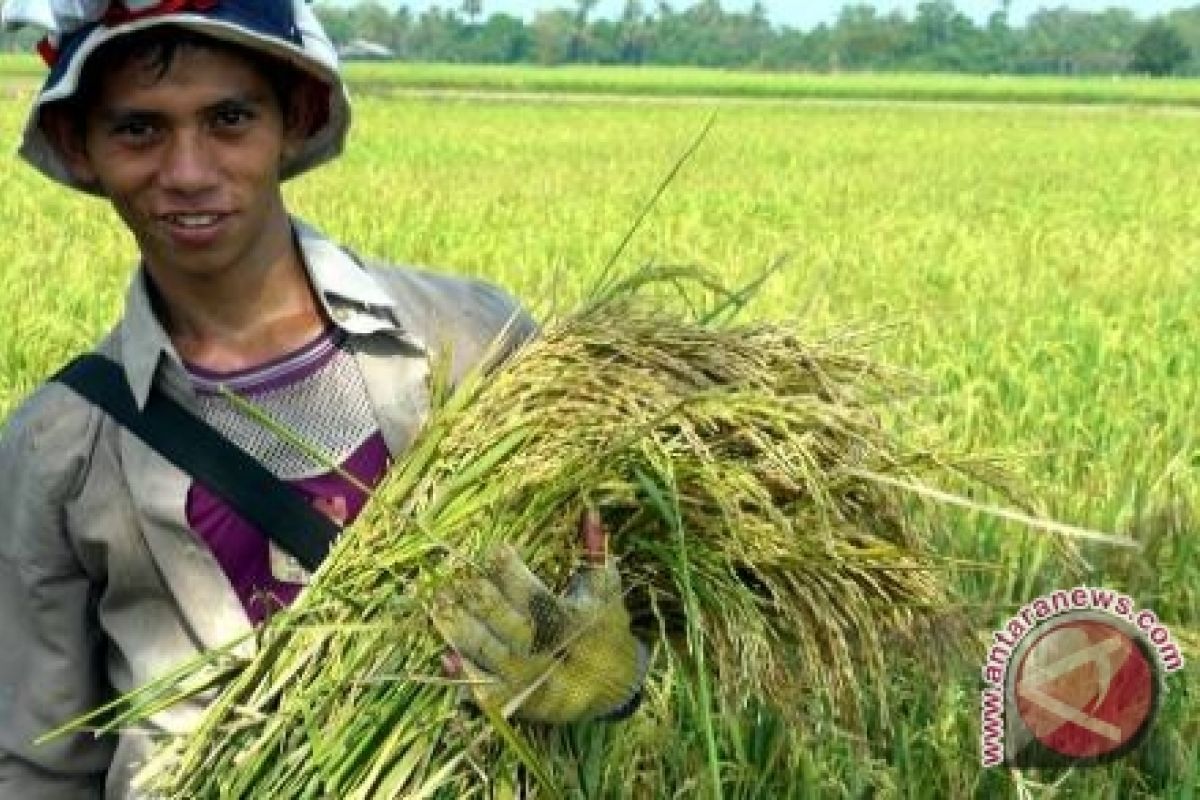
<point x="307" y="113"/>
<point x="67" y="137"/>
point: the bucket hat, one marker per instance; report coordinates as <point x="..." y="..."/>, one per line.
<point x="75" y="29"/>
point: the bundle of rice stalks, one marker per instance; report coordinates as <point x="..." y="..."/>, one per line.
<point x="737" y="469"/>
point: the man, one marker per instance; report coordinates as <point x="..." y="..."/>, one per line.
<point x="115" y="565"/>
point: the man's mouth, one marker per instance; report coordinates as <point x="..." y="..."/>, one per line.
<point x="193" y="220"/>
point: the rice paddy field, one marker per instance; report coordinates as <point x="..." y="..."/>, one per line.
<point x="700" y="82"/>
<point x="1037" y="264"/>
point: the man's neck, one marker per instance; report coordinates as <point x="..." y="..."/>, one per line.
<point x="242" y="316"/>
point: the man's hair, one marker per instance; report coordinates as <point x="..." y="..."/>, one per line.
<point x="155" y="48"/>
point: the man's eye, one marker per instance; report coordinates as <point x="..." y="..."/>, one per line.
<point x="135" y="130"/>
<point x="232" y="118"/>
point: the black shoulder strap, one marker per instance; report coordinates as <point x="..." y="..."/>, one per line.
<point x="266" y="502"/>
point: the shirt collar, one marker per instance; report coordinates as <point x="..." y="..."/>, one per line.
<point x="350" y="296"/>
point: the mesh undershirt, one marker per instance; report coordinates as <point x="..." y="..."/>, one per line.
<point x="315" y="392"/>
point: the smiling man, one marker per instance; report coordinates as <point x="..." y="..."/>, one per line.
<point x="117" y="565"/>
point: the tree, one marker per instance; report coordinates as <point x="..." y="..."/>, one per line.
<point x="371" y="21"/>
<point x="865" y="40"/>
<point x="578" y="44"/>
<point x="1160" y="50"/>
<point x="472" y="9"/>
<point x="1001" y="41"/>
<point x="503" y="39"/>
<point x="1187" y="22"/>
<point x="633" y="33"/>
<point x="438" y="36"/>
<point x="934" y="23"/>
<point x="583" y="10"/>
<point x="553" y="35"/>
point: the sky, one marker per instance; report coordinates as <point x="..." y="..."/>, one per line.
<point x="806" y="14"/>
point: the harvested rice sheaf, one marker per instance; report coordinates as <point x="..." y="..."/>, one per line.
<point x="764" y="566"/>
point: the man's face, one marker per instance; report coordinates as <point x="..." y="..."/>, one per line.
<point x="190" y="160"/>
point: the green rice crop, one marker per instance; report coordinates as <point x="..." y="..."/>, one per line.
<point x="749" y="84"/>
<point x="1038" y="264"/>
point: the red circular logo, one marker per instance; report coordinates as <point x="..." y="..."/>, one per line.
<point x="1085" y="688"/>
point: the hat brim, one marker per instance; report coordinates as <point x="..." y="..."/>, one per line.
<point x="316" y="58"/>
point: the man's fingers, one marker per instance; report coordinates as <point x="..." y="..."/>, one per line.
<point x="469" y="636"/>
<point x="595" y="539"/>
<point x="510" y="624"/>
<point x="597" y="581"/>
<point x="520" y="587"/>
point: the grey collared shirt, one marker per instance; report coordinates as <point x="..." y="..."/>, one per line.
<point x="103" y="586"/>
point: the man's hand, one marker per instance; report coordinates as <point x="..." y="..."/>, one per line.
<point x="568" y="658"/>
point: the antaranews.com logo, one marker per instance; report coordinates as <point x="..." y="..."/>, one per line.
<point x="1074" y="677"/>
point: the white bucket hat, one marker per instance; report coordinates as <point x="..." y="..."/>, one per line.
<point x="285" y="29"/>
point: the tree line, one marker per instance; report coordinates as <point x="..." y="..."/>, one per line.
<point x="935" y="37"/>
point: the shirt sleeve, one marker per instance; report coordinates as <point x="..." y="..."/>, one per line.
<point x="491" y="327"/>
<point x="50" y="646"/>
<point x="472" y="322"/>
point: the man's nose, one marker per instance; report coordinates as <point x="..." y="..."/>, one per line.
<point x="188" y="162"/>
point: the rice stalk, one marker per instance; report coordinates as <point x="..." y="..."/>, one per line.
<point x="767" y="567"/>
